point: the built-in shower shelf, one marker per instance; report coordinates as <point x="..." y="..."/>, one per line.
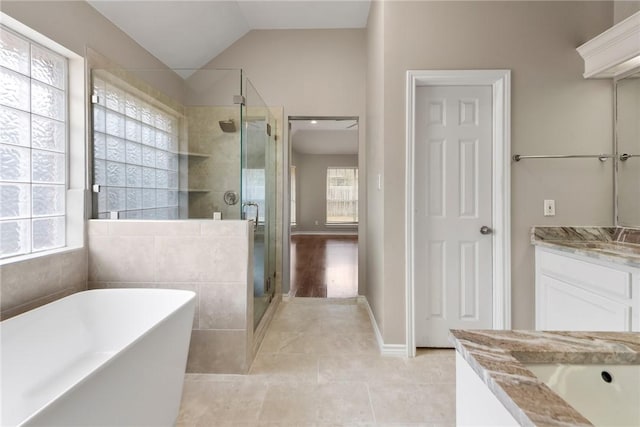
<point x="193" y="154"/>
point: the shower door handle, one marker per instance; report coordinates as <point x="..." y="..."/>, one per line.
<point x="245" y="205"/>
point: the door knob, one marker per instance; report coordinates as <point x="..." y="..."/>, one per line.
<point x="485" y="230"/>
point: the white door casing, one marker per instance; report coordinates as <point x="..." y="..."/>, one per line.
<point x="499" y="81"/>
<point x="453" y="275"/>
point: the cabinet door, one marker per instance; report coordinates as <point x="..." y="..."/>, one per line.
<point x="561" y="306"/>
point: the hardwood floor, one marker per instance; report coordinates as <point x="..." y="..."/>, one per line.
<point x="324" y="266"/>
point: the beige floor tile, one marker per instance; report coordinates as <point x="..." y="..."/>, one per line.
<point x="290" y="403"/>
<point x="393" y="371"/>
<point x="211" y="402"/>
<point x="404" y="425"/>
<point x="349" y="424"/>
<point x="348" y="322"/>
<point x="435" y="367"/>
<point x="413" y="403"/>
<point x="314" y="318"/>
<point x="344" y="403"/>
<point x="287" y="368"/>
<point x="343" y="322"/>
<point x="319" y="366"/>
<point x="194" y="402"/>
<point x="444" y="352"/>
<point x="222" y="423"/>
<point x="292" y="324"/>
<point x="214" y="377"/>
<point x="290" y="424"/>
<point x="321" y="343"/>
<point x="277" y="341"/>
<point x="370" y="368"/>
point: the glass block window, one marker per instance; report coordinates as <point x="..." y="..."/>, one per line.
<point x="135" y="154"/>
<point x="33" y="143"/>
<point x="342" y="195"/>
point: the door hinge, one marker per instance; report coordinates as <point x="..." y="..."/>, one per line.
<point x="95" y="99"/>
<point x="268" y="129"/>
<point x="239" y="99"/>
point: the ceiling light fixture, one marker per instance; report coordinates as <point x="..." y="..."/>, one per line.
<point x="314" y="122"/>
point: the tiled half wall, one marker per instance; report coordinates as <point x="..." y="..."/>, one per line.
<point x="32" y="282"/>
<point x="211" y="258"/>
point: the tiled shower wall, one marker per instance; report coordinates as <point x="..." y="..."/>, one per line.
<point x="211" y="258"/>
<point x="218" y="169"/>
<point x="30" y="283"/>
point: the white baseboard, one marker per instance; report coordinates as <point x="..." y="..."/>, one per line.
<point x="393" y="350"/>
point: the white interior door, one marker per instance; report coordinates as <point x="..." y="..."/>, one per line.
<point x="453" y="199"/>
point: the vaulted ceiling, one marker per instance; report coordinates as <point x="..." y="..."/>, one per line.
<point x="186" y="34"/>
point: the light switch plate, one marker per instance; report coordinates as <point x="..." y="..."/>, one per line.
<point x="549" y="208"/>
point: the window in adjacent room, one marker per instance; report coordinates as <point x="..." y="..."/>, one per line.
<point x="342" y="195"/>
<point x="293" y="195"/>
<point x="33" y="146"/>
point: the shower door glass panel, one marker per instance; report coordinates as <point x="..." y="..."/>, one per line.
<point x="258" y="195"/>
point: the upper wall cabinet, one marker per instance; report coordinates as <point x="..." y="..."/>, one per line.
<point x="613" y="52"/>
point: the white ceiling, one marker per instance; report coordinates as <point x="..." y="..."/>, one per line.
<point x="186" y="34"/>
<point x="324" y="136"/>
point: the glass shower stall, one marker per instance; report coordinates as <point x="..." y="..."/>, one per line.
<point x="183" y="144"/>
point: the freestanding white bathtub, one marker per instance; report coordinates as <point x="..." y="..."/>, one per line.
<point x="109" y="357"/>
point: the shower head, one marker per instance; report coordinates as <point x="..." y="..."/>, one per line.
<point x="227" y="126"/>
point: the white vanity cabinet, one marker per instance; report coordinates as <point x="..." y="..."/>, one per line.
<point x="579" y="293"/>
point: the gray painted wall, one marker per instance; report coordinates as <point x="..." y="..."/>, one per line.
<point x="554" y="110"/>
<point x="311" y="189"/>
<point x="624" y="8"/>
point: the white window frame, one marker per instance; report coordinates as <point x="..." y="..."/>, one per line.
<point x="292" y="196"/>
<point x="76" y="170"/>
<point x="341" y="223"/>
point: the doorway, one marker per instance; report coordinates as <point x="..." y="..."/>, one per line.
<point x="324" y="186"/>
<point x="458" y="228"/>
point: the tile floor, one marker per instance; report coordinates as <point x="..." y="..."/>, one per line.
<point x="319" y="365"/>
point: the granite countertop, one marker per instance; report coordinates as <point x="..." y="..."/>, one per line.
<point x="498" y="356"/>
<point x="613" y="244"/>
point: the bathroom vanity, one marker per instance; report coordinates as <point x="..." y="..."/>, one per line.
<point x="587" y="278"/>
<point x="532" y="378"/>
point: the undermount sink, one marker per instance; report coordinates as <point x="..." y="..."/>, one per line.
<point x="607" y="395"/>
